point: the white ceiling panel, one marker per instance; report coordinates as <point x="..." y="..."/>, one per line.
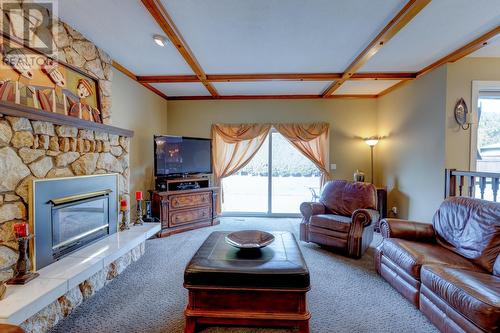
<point x="491" y="50"/>
<point x="365" y="87"/>
<point x="181" y="89"/>
<point x="272" y="88"/>
<point x="124" y="29"/>
<point x="440" y="28"/>
<point x="279" y="36"/>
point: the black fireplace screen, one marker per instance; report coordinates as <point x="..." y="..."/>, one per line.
<point x="77" y="223"/>
<point x="70" y="213"/>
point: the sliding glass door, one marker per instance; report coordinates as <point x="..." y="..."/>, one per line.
<point x="274" y="183"/>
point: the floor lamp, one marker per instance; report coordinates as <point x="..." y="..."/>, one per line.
<point x="371" y="142"/>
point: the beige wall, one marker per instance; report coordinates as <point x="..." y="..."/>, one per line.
<point x="422" y="136"/>
<point x="410" y="161"/>
<point x="135" y="107"/>
<point x="459" y="85"/>
<point x="349" y="119"/>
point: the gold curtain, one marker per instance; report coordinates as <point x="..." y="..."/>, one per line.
<point x="312" y="141"/>
<point x="234" y="145"/>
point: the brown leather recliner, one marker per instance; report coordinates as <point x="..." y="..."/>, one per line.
<point x="343" y="219"/>
<point x="450" y="269"/>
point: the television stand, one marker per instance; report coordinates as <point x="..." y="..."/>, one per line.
<point x="184" y="204"/>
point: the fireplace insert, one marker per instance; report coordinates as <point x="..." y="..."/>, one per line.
<point x="67" y="214"/>
<point x="78" y="220"/>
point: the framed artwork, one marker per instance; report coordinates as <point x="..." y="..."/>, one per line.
<point x="32" y="79"/>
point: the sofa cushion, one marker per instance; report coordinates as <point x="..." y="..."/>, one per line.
<point x="471" y="228"/>
<point x="475" y="295"/>
<point x="496" y="267"/>
<point x="332" y="222"/>
<point x="410" y="256"/>
<point x="343" y="197"/>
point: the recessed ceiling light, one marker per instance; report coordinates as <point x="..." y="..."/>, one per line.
<point x="160" y="40"/>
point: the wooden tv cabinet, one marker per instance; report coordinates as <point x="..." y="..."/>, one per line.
<point x="183" y="210"/>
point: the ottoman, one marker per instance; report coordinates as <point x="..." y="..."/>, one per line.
<point x="229" y="287"/>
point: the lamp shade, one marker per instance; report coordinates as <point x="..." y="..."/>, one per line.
<point x="371" y="141"/>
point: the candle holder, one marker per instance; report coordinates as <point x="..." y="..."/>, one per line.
<point x="125" y="223"/>
<point x="23" y="265"/>
<point x="138" y="218"/>
<point x="3" y="290"/>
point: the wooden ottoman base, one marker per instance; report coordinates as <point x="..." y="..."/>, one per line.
<point x="260" y="307"/>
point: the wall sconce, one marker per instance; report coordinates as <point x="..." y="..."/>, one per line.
<point x="462" y="114"/>
<point x="372" y="142"/>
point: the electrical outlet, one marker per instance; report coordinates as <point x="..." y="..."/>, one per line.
<point x="333" y="166"/>
<point x="394" y="210"/>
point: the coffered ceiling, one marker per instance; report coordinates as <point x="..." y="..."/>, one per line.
<point x="284" y="48"/>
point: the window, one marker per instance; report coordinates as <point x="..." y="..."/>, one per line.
<point x="488" y="133"/>
<point x="485" y="132"/>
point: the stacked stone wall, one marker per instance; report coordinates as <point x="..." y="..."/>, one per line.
<point x="37" y="150"/>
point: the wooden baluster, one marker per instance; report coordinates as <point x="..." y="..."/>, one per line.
<point x="461" y="185"/>
<point x="450" y="183"/>
<point x="494" y="186"/>
<point x="472" y="181"/>
<point x="482" y="186"/>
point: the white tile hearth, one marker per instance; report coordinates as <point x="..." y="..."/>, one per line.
<point x="22" y="302"/>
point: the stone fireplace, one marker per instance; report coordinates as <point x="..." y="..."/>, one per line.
<point x="36" y="150"/>
<point x="77" y="170"/>
<point x="41" y="145"/>
<point x="70" y="213"/>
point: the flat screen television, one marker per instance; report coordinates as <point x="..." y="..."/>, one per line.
<point x="177" y="155"/>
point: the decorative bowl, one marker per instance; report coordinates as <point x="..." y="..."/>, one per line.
<point x="249" y="239"/>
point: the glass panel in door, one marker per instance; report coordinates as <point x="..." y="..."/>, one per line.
<point x="247" y="191"/>
<point x="294" y="180"/>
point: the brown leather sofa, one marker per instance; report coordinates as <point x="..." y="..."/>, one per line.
<point x="449" y="269"/>
<point x="343" y="219"/>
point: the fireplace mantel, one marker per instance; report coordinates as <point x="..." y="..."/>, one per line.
<point x="16" y="110"/>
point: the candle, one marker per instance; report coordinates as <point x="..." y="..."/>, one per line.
<point x="123" y="204"/>
<point x="138" y="195"/>
<point x="21" y="229"/>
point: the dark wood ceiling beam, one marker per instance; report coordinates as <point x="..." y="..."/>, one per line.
<point x="161" y="16"/>
<point x="405" y="15"/>
<point x="135" y="78"/>
<point x="124" y="71"/>
<point x="248" y="97"/>
<point x="391" y="88"/>
<point x="384" y="76"/>
<point x="168" y="78"/>
<point x="463" y="51"/>
<point x="458" y="54"/>
<point x="153" y="89"/>
<point x="274" y="77"/>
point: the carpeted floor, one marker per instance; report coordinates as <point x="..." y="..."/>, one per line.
<point x="346" y="296"/>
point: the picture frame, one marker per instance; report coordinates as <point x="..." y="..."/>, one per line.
<point x="37" y="81"/>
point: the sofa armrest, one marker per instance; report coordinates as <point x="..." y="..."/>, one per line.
<point x="397" y="228"/>
<point x="365" y="216"/>
<point x="361" y="232"/>
<point x="309" y="209"/>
